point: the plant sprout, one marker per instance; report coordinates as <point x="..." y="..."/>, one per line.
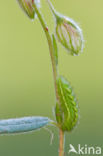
<point x="69" y="34"/>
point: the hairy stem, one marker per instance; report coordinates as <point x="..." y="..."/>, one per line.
<point x="49" y="39"/>
<point x="54" y="67"/>
<point x="52" y="8"/>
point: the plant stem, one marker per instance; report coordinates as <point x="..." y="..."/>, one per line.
<point x="52" y="9"/>
<point x="61" y="144"/>
<point x="49" y="39"/>
<point x="54" y="67"/>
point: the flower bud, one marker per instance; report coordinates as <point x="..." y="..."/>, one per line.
<point x="68" y="33"/>
<point x="27" y="7"/>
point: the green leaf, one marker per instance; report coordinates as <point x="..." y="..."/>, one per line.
<point x="66" y="108"/>
<point x="55" y="49"/>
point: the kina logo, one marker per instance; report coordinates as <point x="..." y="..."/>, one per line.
<point x="85" y="150"/>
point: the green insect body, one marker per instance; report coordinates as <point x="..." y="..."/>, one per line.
<point x="66" y="108"/>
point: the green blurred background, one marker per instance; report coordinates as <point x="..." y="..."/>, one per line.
<point x="26" y="83"/>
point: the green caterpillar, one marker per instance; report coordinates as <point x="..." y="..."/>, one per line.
<point x="66" y="108"/>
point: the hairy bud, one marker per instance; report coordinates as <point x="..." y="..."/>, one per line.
<point x="27" y="7"/>
<point x="68" y="33"/>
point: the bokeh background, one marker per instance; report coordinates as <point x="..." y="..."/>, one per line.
<point x="26" y="83"/>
